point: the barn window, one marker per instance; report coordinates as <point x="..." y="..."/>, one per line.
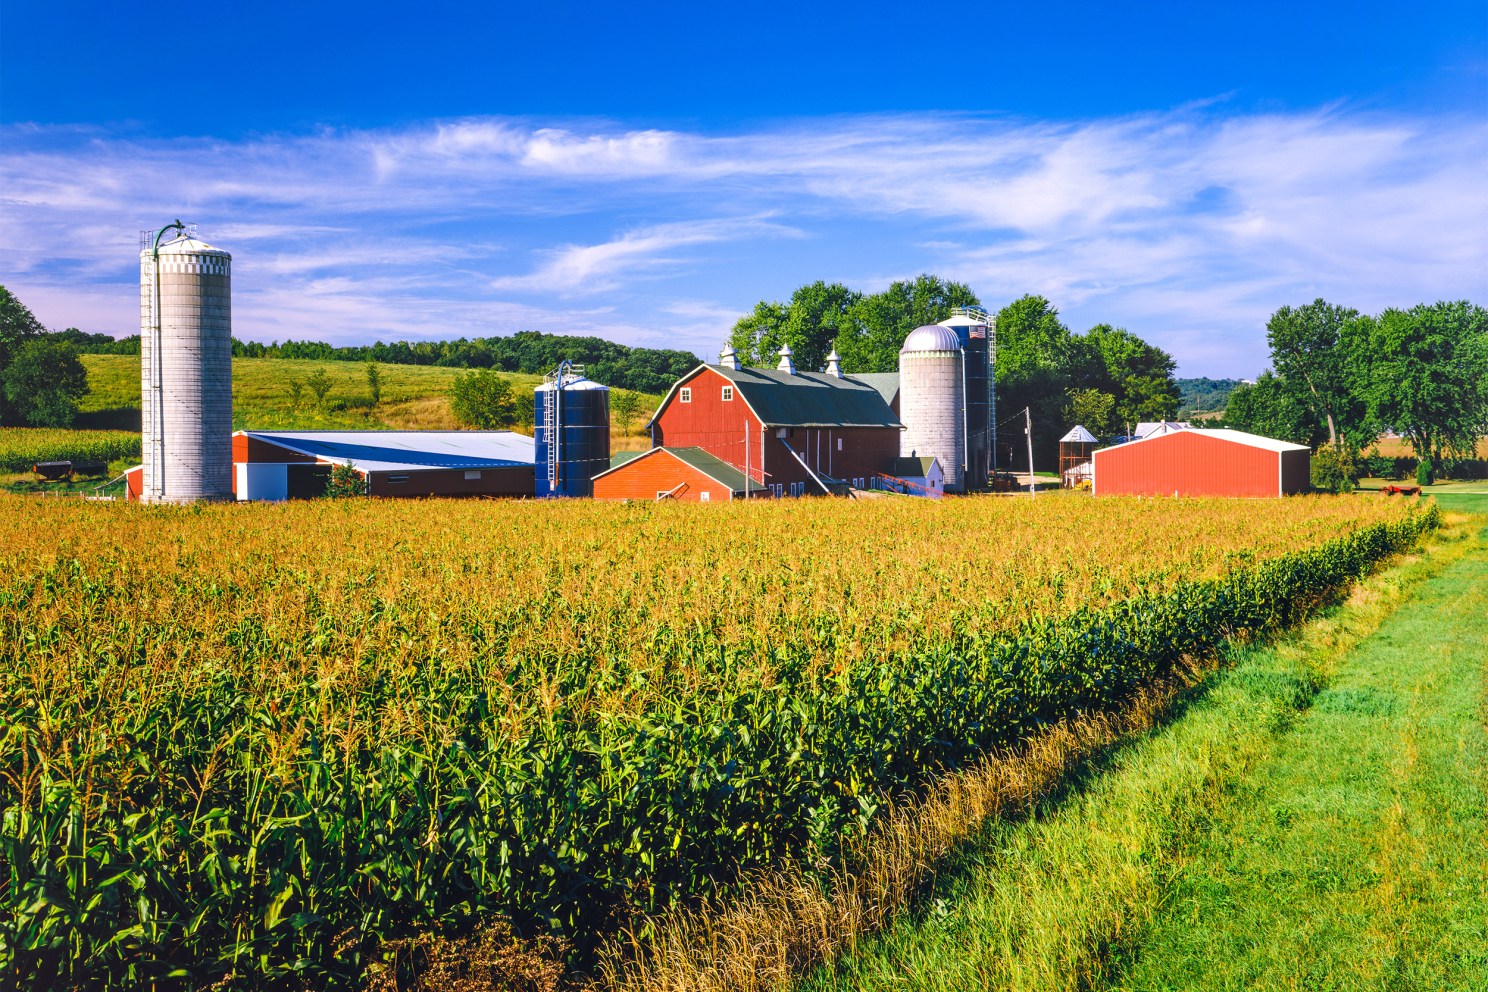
<point x="686" y="395"/>
<point x="397" y="478"/>
<point x="728" y="393"/>
<point x="705" y="496"/>
<point x="472" y="474"/>
<point x="839" y="444"/>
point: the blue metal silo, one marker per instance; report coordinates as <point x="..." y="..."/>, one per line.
<point x="571" y="432"/>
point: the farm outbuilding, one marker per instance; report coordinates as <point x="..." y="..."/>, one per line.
<point x="690" y="475"/>
<point x="277" y="465"/>
<point x="1202" y="463"/>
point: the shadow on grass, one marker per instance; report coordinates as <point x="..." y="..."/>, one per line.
<point x="118" y="418"/>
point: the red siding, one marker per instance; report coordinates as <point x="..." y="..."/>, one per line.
<point x="515" y="481"/>
<point x="1189" y="463"/>
<point x="658" y="471"/>
<point x="134" y="483"/>
<point x="718" y="427"/>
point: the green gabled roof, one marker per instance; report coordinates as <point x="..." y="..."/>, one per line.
<point x="887" y="383"/>
<point x="809" y="399"/>
<point x="621" y="457"/>
<point x="907" y="467"/>
<point x="713" y="467"/>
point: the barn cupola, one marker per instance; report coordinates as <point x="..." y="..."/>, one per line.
<point x="834" y="364"/>
<point x="730" y="358"/>
<point x="786" y="365"/>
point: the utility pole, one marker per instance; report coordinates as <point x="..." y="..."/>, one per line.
<point x="1028" y="433"/>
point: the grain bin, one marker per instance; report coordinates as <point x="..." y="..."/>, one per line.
<point x="186" y="367"/>
<point x="571" y="432"/>
<point x="932" y="400"/>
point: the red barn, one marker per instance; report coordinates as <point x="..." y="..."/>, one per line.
<point x="795" y="433"/>
<point x="1203" y="463"/>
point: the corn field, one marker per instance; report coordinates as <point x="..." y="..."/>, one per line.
<point x="250" y="744"/>
<point x="22" y="447"/>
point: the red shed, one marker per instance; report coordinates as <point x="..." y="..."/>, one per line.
<point x="1202" y="463"/>
<point x="806" y="432"/>
<point x="687" y="474"/>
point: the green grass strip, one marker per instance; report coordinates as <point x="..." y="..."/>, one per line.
<point x="1314" y="818"/>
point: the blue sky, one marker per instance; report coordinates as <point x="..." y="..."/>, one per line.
<point x="646" y="172"/>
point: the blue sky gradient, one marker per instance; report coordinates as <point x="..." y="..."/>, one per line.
<point x="646" y="173"/>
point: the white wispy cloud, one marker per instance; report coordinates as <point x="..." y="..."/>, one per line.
<point x="601" y="268"/>
<point x="1190" y="226"/>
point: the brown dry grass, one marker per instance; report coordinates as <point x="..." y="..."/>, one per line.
<point x="492" y="959"/>
<point x="429" y="413"/>
<point x="1395" y="447"/>
<point x="787" y="921"/>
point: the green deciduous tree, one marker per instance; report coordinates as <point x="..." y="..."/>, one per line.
<point x="816" y="316"/>
<point x="1310" y="357"/>
<point x="1424" y="372"/>
<point x="1269" y="408"/>
<point x="17" y="326"/>
<point x="883" y="320"/>
<point x="1138" y="375"/>
<point x="374" y="382"/>
<point x="345" y="481"/>
<point x="1039" y="364"/>
<point x="318" y="383"/>
<point x="43" y="382"/>
<point x="483" y="398"/>
<point x="1091" y="409"/>
<point x="626" y="407"/>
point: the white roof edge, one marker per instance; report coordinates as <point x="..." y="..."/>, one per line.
<point x="1221" y="433"/>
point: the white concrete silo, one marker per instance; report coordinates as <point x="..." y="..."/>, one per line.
<point x="186" y="373"/>
<point x="932" y="385"/>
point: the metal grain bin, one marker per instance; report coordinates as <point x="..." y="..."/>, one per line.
<point x="571" y="432"/>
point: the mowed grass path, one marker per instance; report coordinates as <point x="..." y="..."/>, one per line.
<point x="1316" y="818"/>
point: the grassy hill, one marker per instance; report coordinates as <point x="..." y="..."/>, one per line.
<point x="414" y="397"/>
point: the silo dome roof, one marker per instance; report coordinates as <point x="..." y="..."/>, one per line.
<point x="931" y="337"/>
<point x="189" y="246"/>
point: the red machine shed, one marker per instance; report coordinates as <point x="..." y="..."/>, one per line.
<point x="690" y="475"/>
<point x="1203" y="463"/>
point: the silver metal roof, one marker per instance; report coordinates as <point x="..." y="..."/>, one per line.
<point x="931" y="337"/>
<point x="407" y="451"/>
<point x="1078" y="435"/>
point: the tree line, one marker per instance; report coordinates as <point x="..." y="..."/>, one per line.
<point x="1107" y="378"/>
<point x="1339" y="378"/>
<point x="645" y="370"/>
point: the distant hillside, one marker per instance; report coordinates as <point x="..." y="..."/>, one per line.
<point x="642" y="370"/>
<point x="1204" y="395"/>
<point x="413" y="397"/>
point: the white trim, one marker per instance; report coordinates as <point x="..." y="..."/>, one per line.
<point x="684" y="395"/>
<point x="1215" y="434"/>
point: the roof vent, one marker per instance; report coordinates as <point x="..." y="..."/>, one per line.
<point x="834" y="364"/>
<point x="729" y="358"/>
<point x="786" y="365"/>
